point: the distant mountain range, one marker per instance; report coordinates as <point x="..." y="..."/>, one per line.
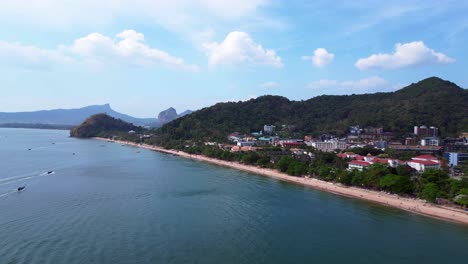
<point x="73" y="117"/>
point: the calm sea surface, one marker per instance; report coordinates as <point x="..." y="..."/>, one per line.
<point x="110" y="204"/>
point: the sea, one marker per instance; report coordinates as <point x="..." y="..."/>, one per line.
<point x="104" y="202"/>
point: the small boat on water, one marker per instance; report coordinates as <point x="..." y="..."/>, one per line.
<point x="21" y="188"/>
<point x="50" y="172"/>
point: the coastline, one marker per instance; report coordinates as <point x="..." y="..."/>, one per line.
<point x="408" y="204"/>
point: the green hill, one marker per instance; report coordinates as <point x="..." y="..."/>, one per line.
<point x="102" y="125"/>
<point x="432" y="101"/>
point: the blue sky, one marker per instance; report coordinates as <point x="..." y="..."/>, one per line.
<point x="144" y="56"/>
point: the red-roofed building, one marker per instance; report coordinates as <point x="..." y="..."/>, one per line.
<point x="359" y="157"/>
<point x="291" y="144"/>
<point x="358" y="164"/>
<point x="424" y="162"/>
<point x="425" y="157"/>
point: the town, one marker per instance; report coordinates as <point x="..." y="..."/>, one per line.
<point x="429" y="150"/>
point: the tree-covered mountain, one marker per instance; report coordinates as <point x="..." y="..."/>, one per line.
<point x="432" y="101"/>
<point x="102" y="125"/>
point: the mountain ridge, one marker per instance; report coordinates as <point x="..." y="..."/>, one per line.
<point x="431" y="101"/>
<point x="72" y="117"/>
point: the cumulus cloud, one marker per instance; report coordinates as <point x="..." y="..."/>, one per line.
<point x="370" y="84"/>
<point x="31" y="56"/>
<point x="239" y="48"/>
<point x="321" y="57"/>
<point x="269" y="85"/>
<point x="127" y="47"/>
<point x="405" y="55"/>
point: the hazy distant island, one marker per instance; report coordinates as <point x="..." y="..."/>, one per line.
<point x="412" y="142"/>
<point x="68" y="118"/>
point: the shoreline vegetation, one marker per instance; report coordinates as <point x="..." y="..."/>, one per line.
<point x="413" y="205"/>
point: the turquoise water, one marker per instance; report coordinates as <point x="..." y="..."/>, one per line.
<point x="110" y="204"/>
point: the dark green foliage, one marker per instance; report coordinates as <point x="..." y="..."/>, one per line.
<point x="397" y="184"/>
<point x="429" y="192"/>
<point x="432" y="101"/>
<point x="366" y="150"/>
<point x="102" y="125"/>
<point x="284" y="162"/>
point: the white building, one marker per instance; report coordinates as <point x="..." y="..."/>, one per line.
<point x="268" y="129"/>
<point x="358" y="165"/>
<point x="329" y="145"/>
<point x="246" y="143"/>
<point x="430" y="141"/>
<point x="424" y="162"/>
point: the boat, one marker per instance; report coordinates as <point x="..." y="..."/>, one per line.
<point x="21" y="188"/>
<point x="50" y="172"/>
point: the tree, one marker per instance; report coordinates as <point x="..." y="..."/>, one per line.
<point x="403" y="170"/>
<point x="429" y="192"/>
<point x="284" y="163"/>
<point x="344" y="177"/>
<point x="397" y="184"/>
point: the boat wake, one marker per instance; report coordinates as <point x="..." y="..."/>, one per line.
<point x="8" y="193"/>
<point x="12" y="180"/>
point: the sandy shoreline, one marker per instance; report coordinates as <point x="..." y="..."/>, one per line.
<point x="411" y="205"/>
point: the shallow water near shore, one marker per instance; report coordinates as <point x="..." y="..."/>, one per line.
<point x="109" y="204"/>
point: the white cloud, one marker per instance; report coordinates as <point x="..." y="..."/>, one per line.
<point x="269" y="85"/>
<point x="321" y="57"/>
<point x="31" y="56"/>
<point x="177" y="15"/>
<point x="127" y="47"/>
<point x="370" y="84"/>
<point x="405" y="55"/>
<point x="238" y="48"/>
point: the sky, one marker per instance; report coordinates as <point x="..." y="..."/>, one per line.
<point x="144" y="56"/>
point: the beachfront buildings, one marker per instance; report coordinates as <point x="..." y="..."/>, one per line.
<point x="360" y="162"/>
<point x="358" y="165"/>
<point x="423" y="163"/>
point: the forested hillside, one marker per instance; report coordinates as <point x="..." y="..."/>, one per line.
<point x="432" y="101"/>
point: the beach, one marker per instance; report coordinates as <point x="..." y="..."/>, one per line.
<point x="417" y="206"/>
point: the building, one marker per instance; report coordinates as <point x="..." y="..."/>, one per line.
<point x="456" y="147"/>
<point x="423" y="165"/>
<point x="417" y="148"/>
<point x="430" y="141"/>
<point x="291" y="143"/>
<point x="246" y="143"/>
<point x="455" y="158"/>
<point x="411" y="141"/>
<point x="373" y="130"/>
<point x="355" y="130"/>
<point x="358" y="165"/>
<point x="424" y="162"/>
<point x="269" y="129"/>
<point x="330" y="145"/>
<point x="424" y="131"/>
